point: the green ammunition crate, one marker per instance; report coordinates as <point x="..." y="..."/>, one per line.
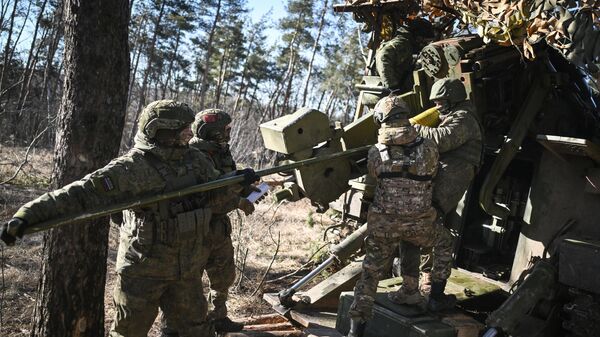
<point x="391" y="320"/>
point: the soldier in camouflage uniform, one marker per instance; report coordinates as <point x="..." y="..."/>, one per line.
<point x="404" y="165"/>
<point x="162" y="250"/>
<point x="459" y="140"/>
<point x="211" y="131"/>
<point x="394" y="59"/>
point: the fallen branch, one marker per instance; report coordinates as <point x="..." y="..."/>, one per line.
<point x="239" y="284"/>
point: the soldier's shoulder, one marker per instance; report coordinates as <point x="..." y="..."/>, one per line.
<point x="122" y="173"/>
<point x="199" y="154"/>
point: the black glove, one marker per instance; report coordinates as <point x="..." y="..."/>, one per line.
<point x="12" y="230"/>
<point x="249" y="176"/>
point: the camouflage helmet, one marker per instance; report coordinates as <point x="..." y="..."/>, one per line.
<point x="211" y="123"/>
<point x="164" y="115"/>
<point x="450" y="89"/>
<point x="391" y="109"/>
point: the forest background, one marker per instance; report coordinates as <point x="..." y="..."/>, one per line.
<point x="209" y="54"/>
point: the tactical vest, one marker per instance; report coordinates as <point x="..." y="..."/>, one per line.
<point x="404" y="178"/>
<point x="169" y="221"/>
<point x="223" y="160"/>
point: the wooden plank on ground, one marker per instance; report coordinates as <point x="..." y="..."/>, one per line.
<point x="314" y="319"/>
<point x="322" y="332"/>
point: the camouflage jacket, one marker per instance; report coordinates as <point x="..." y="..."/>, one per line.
<point x="221" y="157"/>
<point x="162" y="240"/>
<point x="404" y="177"/>
<point x="394" y="62"/>
<point x="459" y="135"/>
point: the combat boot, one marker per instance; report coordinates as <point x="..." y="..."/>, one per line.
<point x="357" y="328"/>
<point x="408" y="292"/>
<point x="439" y="301"/>
<point x="225" y="324"/>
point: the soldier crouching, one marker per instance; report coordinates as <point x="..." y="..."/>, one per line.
<point x="404" y="166"/>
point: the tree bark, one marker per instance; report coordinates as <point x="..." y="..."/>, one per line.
<point x="71" y="291"/>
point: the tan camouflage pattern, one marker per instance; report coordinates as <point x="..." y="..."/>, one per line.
<point x="400" y="212"/>
<point x="381" y="246"/>
<point x="403" y="196"/>
<point x="393" y="60"/>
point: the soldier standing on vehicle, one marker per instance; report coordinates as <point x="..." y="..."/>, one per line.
<point x="459" y="140"/>
<point x="394" y="57"/>
<point x="211" y="130"/>
<point x="394" y="60"/>
<point x="162" y="251"/>
<point x="404" y="165"/>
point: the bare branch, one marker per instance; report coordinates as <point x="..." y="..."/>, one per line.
<point x="26" y="159"/>
<point x="262" y="280"/>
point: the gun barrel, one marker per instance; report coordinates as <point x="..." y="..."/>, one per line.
<point x="215" y="184"/>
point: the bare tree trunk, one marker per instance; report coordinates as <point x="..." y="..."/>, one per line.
<point x="7" y="52"/>
<point x="30" y="64"/>
<point x="52" y="48"/>
<point x="137" y="52"/>
<point x="288" y="90"/>
<point x="71" y="291"/>
<point x="171" y="61"/>
<point x="314" y="52"/>
<point x="321" y="100"/>
<point x="208" y="55"/>
<point x="3" y="10"/>
<point x="223" y="64"/>
<point x="151" y="48"/>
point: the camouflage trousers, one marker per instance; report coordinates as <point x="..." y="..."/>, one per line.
<point x="381" y="245"/>
<point x="452" y="181"/>
<point x="220" y="267"/>
<point x="137" y="301"/>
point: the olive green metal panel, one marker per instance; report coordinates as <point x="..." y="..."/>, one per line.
<point x="298" y="131"/>
<point x="360" y="132"/>
<point x="392" y="320"/>
<point x="324" y="182"/>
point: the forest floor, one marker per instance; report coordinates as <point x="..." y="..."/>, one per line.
<point x="295" y="226"/>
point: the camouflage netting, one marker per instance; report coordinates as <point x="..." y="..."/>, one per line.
<point x="572" y="27"/>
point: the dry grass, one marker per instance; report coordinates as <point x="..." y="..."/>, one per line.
<point x="257" y="234"/>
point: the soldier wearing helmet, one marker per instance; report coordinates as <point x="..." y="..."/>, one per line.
<point x="404" y="165"/>
<point x="459" y="140"/>
<point x="161" y="252"/>
<point x="211" y="131"/>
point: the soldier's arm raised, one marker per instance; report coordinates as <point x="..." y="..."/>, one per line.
<point x="451" y="135"/>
